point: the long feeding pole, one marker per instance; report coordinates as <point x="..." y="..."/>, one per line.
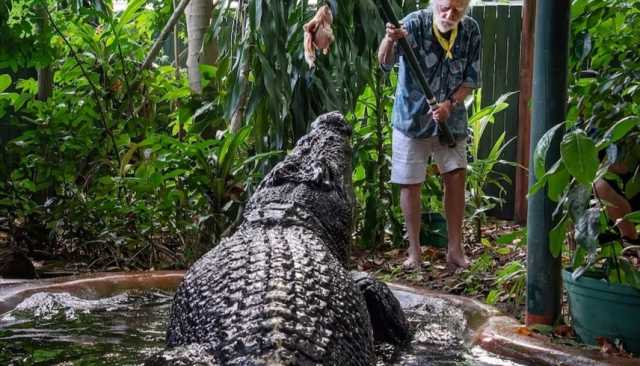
<point x="387" y="13"/>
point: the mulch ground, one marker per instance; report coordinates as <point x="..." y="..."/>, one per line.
<point x="487" y="254"/>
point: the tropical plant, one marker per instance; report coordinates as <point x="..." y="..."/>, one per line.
<point x="117" y="165"/>
<point x="510" y="282"/>
<point x="375" y="214"/>
<point x="270" y="84"/>
<point x="602" y="123"/>
<point x="481" y="170"/>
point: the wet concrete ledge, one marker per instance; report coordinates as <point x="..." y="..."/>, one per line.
<point x="88" y="286"/>
<point x="499" y="335"/>
<point x="489" y="329"/>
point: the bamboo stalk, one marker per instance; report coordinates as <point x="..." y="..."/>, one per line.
<point x="164" y="34"/>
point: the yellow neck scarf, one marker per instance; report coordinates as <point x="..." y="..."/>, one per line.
<point x="447" y="45"/>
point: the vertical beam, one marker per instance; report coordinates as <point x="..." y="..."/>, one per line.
<point x="550" y="69"/>
<point x="524" y="110"/>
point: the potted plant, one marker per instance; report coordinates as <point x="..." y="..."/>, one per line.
<point x="602" y="278"/>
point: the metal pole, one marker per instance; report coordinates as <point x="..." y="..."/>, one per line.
<point x="550" y="69"/>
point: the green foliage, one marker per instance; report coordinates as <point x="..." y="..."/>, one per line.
<point x="127" y="168"/>
<point x="24" y="34"/>
<point x="603" y="120"/>
<point x="132" y="179"/>
<point x="283" y="95"/>
<point x="481" y="169"/>
<point x="510" y="280"/>
<point x="510" y="284"/>
<point x="377" y="211"/>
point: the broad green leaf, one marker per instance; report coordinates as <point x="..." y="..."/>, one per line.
<point x="557" y="237"/>
<point x="358" y="173"/>
<point x="510" y="237"/>
<point x="633" y="217"/>
<point x="538" y="185"/>
<point x="229" y="149"/>
<point x="578" y="200"/>
<point x="129" y="13"/>
<point x="558" y="179"/>
<point x="542" y="147"/>
<point x="621" y="128"/>
<point x="587" y="229"/>
<point x="5" y="82"/>
<point x="580" y="156"/>
<point x="174" y="173"/>
<point x="503" y="251"/>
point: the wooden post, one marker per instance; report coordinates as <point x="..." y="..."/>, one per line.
<point x="524" y="109"/>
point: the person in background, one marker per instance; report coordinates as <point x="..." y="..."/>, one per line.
<point x="447" y="44"/>
<point x="622" y="196"/>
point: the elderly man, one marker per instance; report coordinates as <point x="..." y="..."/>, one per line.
<point x="447" y="45"/>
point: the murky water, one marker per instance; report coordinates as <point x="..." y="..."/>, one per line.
<point x="60" y="329"/>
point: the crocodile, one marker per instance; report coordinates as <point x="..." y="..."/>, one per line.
<point x="277" y="291"/>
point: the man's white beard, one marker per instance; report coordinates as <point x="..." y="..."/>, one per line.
<point x="444" y="25"/>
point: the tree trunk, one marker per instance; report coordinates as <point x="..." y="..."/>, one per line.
<point x="198" y="21"/>
<point x="45" y="74"/>
<point x="45" y="83"/>
<point x="155" y="48"/>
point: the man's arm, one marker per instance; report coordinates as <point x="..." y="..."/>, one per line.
<point x="386" y="50"/>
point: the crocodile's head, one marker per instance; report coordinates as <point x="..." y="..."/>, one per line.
<point x="312" y="186"/>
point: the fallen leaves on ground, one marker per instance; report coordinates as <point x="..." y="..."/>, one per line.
<point x="564" y="331"/>
<point x="524" y="331"/>
<point x="487" y="256"/>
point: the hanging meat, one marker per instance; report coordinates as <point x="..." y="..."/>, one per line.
<point x="318" y="34"/>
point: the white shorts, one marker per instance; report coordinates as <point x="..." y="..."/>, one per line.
<point x="409" y="157"/>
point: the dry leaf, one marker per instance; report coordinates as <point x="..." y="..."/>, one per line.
<point x="605" y="345"/>
<point x="524" y="331"/>
<point x="563" y="331"/>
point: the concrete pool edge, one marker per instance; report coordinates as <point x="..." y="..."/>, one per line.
<point x="498" y="334"/>
<point x="489" y="329"/>
<point x="90" y="286"/>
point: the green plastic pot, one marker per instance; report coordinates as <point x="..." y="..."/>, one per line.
<point x="433" y="230"/>
<point x="600" y="309"/>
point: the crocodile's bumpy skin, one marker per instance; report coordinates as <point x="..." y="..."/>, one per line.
<point x="276" y="292"/>
<point x="387" y="317"/>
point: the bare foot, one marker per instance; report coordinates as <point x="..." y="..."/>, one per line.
<point x="455" y="261"/>
<point x="411" y="264"/>
<point x="414" y="259"/>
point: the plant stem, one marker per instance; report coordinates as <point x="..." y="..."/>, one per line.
<point x="124" y="69"/>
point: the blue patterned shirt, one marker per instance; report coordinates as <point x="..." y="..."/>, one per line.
<point x="411" y="114"/>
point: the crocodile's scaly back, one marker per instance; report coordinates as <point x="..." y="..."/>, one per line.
<point x="312" y="186"/>
<point x="276" y="292"/>
<point x="279" y="299"/>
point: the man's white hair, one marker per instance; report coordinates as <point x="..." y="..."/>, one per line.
<point x="466" y="9"/>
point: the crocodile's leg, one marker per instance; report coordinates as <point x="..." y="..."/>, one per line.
<point x="387" y="317"/>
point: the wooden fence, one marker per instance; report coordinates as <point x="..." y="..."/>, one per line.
<point x="501" y="26"/>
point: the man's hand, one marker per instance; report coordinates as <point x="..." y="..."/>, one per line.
<point x="386" y="52"/>
<point x="442" y="112"/>
<point x="394" y="33"/>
